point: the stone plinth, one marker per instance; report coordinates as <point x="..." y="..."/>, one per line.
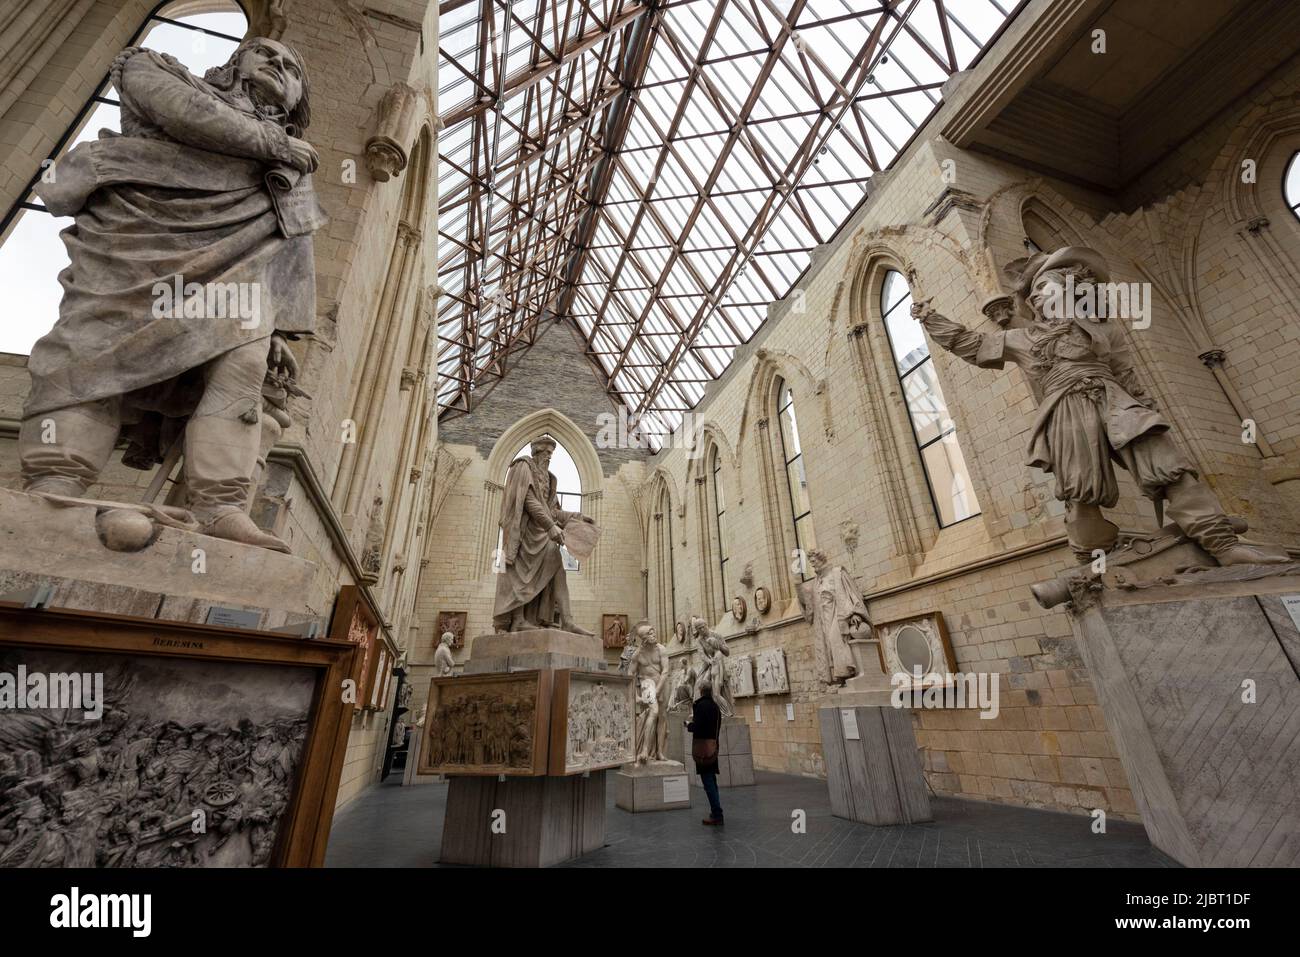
<point x="735" y="753"/>
<point x="653" y="786"/>
<point x="523" y="822"/>
<point x="873" y="766"/>
<point x="540" y="648"/>
<point x="180" y="576"/>
<point x="1196" y="673"/>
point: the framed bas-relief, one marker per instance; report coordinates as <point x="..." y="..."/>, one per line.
<point x="487" y="724"/>
<point x="592" y="722"/>
<point x="454" y="622"/>
<point x="740" y="673"/>
<point x="770" y="671"/>
<point x="146" y="727"/>
<point x="354" y="621"/>
<point x="613" y="631"/>
<point x="375" y="686"/>
<point x="917" y="642"/>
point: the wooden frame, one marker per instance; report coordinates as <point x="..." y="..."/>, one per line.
<point x="566" y="680"/>
<point x="303" y="828"/>
<point x="454" y="622"/>
<point x="438" y="732"/>
<point x="376" y="680"/>
<point x="932" y="618"/>
<point x="605" y="622"/>
<point x="355" y="621"/>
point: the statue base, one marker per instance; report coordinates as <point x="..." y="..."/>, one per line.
<point x="873" y="765"/>
<point x="653" y="786"/>
<point x="523" y="822"/>
<point x="537" y="648"/>
<point x="177" y="575"/>
<point x="1195" y="668"/>
<point x="735" y="752"/>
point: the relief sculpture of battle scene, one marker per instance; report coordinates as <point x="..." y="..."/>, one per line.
<point x="484" y="728"/>
<point x="599" y="725"/>
<point x="191" y="764"/>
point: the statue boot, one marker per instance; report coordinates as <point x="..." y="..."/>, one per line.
<point x="1197" y="512"/>
<point x="63" y="452"/>
<point x="1088" y="531"/>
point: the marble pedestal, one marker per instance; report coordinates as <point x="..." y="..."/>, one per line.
<point x="653" y="786"/>
<point x="735" y="753"/>
<point x="533" y="821"/>
<point x="1196" y="673"/>
<point x="873" y="766"/>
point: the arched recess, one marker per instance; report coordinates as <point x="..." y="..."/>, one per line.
<point x="376" y="378"/>
<point x="563" y="429"/>
<point x="661" y="582"/>
<point x="712" y="483"/>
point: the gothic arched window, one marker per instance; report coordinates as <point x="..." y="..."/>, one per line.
<point x="202" y="36"/>
<point x="1291" y="184"/>
<point x="719" y="502"/>
<point x="936" y="436"/>
<point x="796" y="480"/>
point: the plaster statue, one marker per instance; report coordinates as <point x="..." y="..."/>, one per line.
<point x="532" y="591"/>
<point x="443" y="663"/>
<point x="191" y="267"/>
<point x="681" y="685"/>
<point x="1092" y="409"/>
<point x="649" y="671"/>
<point x="629" y="649"/>
<point x="833" y="605"/>
<point x="713" y="677"/>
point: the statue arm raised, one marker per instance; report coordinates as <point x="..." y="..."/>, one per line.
<point x="983" y="349"/>
<point x="195" y="116"/>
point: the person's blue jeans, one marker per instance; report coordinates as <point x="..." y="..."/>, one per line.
<point x="710" y="782"/>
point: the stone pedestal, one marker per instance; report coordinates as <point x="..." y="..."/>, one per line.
<point x="735" y="753"/>
<point x="873" y="766"/>
<point x="654" y="786"/>
<point x="526" y="821"/>
<point x="523" y="822"/>
<point x="1196" y="673"/>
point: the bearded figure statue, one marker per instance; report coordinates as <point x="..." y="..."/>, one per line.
<point x="191" y="267"/>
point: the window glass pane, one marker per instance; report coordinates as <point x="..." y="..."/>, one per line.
<point x="950" y="480"/>
<point x="925" y="403"/>
<point x="789" y="427"/>
<point x="906" y="336"/>
<point x="798" y="487"/>
<point x="1291" y="183"/>
<point x="807" y="540"/>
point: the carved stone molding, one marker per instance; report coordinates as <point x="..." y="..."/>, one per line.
<point x="999" y="308"/>
<point x="386" y="157"/>
<point x="1213" y="359"/>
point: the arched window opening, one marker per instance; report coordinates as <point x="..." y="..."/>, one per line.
<point x="936" y="435"/>
<point x="719" y="503"/>
<point x="1291" y="184"/>
<point x="796" y="480"/>
<point x="662" y="598"/>
<point x="31" y="253"/>
<point x="568" y="489"/>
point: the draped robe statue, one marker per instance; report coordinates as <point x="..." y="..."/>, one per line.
<point x="191" y="264"/>
<point x="1093" y="412"/>
<point x="532" y="591"/>
<point x="833" y="605"/>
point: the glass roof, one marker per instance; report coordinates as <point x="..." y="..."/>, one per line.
<point x="656" y="174"/>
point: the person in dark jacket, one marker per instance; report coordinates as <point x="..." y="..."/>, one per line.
<point x="706" y="723"/>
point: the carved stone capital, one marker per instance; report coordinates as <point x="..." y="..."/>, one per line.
<point x="385" y="155"/>
<point x="1213" y="359"/>
<point x="999" y="308"/>
<point x="1253" y="226"/>
<point x="858" y="330"/>
<point x="409" y="378"/>
<point x="415" y="475"/>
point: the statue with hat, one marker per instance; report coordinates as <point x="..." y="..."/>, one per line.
<point x="531" y="588"/>
<point x="1093" y="412"/>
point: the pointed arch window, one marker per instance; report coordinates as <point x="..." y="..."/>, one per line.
<point x="201" y="36"/>
<point x="719" y="502"/>
<point x="568" y="488"/>
<point x="1291" y="184"/>
<point x="661" y="599"/>
<point x="796" y="478"/>
<point x="946" y="474"/>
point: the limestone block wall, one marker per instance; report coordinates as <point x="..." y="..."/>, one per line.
<point x="368" y="369"/>
<point x="1048" y="747"/>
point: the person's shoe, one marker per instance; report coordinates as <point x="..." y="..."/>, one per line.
<point x="711" y="821"/>
<point x="238" y="527"/>
<point x="1243" y="554"/>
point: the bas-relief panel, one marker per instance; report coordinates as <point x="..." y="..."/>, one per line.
<point x="770" y="667"/>
<point x="740" y="671"/>
<point x="485" y="724"/>
<point x="599" y="723"/>
<point x="176" y="736"/>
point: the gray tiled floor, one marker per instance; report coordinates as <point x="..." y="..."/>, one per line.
<point x="393" y="826"/>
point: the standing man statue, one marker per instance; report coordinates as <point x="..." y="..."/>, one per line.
<point x="444" y="665"/>
<point x="532" y="591"/>
<point x="832" y="603"/>
<point x="649" y="671"/>
<point x="191" y="265"/>
<point x="1092" y="410"/>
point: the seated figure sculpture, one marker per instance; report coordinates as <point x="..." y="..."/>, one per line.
<point x="1093" y="411"/>
<point x="206" y="193"/>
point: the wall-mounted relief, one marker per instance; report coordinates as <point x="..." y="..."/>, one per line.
<point x="921" y="642"/>
<point x="739" y="609"/>
<point x="592" y="722"/>
<point x="772" y="676"/>
<point x="740" y="672"/>
<point x="762" y="600"/>
<point x="487" y="724"/>
<point x="454" y="622"/>
<point x="613" y="631"/>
